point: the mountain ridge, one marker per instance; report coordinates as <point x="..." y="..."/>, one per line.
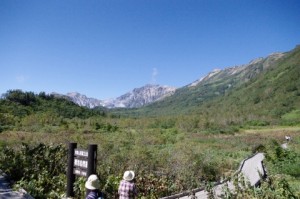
<point x="148" y="94"/>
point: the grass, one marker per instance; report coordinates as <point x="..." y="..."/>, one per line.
<point x="237" y="145"/>
<point x="241" y="141"/>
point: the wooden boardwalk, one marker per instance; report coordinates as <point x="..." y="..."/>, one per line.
<point x="251" y="168"/>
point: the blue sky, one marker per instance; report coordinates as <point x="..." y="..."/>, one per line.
<point x="105" y="48"/>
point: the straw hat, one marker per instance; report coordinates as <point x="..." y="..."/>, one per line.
<point x="92" y="182"/>
<point x="128" y="175"/>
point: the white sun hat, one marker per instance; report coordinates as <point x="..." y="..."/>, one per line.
<point x="92" y="182"/>
<point x="128" y="175"/>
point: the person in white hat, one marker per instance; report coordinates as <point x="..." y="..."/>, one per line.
<point x="93" y="185"/>
<point x="127" y="188"/>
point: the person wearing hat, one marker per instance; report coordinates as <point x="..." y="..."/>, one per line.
<point x="93" y="184"/>
<point x="127" y="188"/>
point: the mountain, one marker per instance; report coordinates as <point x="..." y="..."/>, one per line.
<point x="215" y="83"/>
<point x="265" y="89"/>
<point x="136" y="98"/>
<point x="231" y="91"/>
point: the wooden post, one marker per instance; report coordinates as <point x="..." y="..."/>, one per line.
<point x="92" y="159"/>
<point x="92" y="162"/>
<point x="70" y="174"/>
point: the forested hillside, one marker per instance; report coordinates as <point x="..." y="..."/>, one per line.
<point x="33" y="112"/>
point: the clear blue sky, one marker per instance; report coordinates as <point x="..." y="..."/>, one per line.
<point x="105" y="48"/>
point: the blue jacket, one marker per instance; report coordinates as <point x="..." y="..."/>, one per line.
<point x="95" y="194"/>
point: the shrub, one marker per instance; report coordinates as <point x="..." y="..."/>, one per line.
<point x="38" y="169"/>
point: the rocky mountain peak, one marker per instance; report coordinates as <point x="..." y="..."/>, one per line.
<point x="136" y="98"/>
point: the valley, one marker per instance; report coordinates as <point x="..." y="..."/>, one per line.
<point x="194" y="137"/>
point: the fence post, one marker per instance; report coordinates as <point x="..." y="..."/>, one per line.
<point x="70" y="174"/>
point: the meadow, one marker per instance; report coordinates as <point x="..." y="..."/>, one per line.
<point x="166" y="160"/>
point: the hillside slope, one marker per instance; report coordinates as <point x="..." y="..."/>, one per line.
<point x="270" y="96"/>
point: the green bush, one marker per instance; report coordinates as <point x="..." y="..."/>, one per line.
<point x="257" y="123"/>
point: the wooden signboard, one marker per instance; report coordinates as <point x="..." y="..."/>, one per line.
<point x="81" y="163"/>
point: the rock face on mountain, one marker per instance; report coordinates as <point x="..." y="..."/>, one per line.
<point x="139" y="97"/>
<point x="136" y="98"/>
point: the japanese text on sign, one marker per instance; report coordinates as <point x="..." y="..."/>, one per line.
<point x="82" y="153"/>
<point x="80" y="172"/>
<point x="81" y="163"/>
